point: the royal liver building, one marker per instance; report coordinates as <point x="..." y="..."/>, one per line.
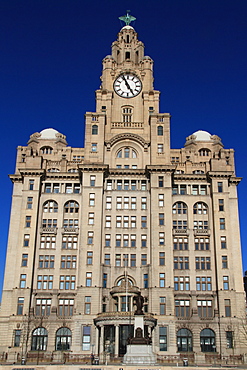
<point x="92" y="228"/>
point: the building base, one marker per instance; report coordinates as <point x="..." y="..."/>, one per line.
<point x="139" y="354"/>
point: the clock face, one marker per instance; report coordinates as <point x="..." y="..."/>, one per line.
<point x="127" y="85"/>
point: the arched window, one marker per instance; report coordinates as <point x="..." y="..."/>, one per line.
<point x="71" y="207"/>
<point x="200" y="208"/>
<point x="184" y="340"/>
<point x="46" y="150"/>
<point x="39" y="339"/>
<point x="94" y="130"/>
<point x="204" y="152"/>
<point x="50" y="206"/>
<point x="63" y="339"/>
<point x="73" y="170"/>
<point x="53" y="170"/>
<point x="126" y="152"/>
<point x="207" y="340"/>
<point x="122" y="281"/>
<point x="179" y="208"/>
<point x="160" y="130"/>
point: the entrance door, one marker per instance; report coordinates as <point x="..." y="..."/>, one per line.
<point x="125" y="331"/>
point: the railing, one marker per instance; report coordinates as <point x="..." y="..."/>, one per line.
<point x="127" y="124"/>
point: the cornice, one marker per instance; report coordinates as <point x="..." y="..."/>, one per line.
<point x="160" y="168"/>
<point x="93" y="167"/>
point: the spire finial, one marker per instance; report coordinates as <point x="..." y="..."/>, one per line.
<point x="127" y="18"/>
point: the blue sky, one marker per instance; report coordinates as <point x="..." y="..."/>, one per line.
<point x="50" y="66"/>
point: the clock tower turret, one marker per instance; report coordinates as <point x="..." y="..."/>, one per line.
<point x="127" y="103"/>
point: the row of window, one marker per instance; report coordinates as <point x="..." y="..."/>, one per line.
<point x="67" y="282"/>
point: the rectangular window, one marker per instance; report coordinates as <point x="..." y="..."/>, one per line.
<point x="118" y="221"/>
<point x="162" y="305"/>
<point x="88" y="279"/>
<point x="181" y="283"/>
<point x="67" y="282"/>
<point x="175" y="190"/>
<point x="126" y="203"/>
<point x="86" y="338"/>
<point x="228" y="308"/>
<point x="162" y="338"/>
<point x="160" y="148"/>
<point x="180" y="244"/>
<point x="46" y="261"/>
<point x="162" y="258"/>
<point x="118" y="260"/>
<point x="201" y="244"/>
<point x="43" y="307"/>
<point x="89" y="258"/>
<point x="181" y="263"/>
<point x="229" y="339"/>
<point x="133" y="202"/>
<point x="161" y="219"/>
<point x="203" y="263"/>
<point x="161" y="200"/>
<point x="45" y="282"/>
<point x="92" y="199"/>
<point x="107" y="240"/>
<point x="72" y="223"/>
<point x="77" y="188"/>
<point x="26" y="240"/>
<point x="94" y="147"/>
<point x="69" y="242"/>
<point x="68" y="188"/>
<point x="104" y="280"/>
<point x="222" y="224"/>
<point x="126" y="184"/>
<point x="133" y="241"/>
<point x="224" y="262"/>
<point x="133" y="222"/>
<point x="107" y="259"/>
<point x="161" y="238"/>
<point x="200" y="225"/>
<point x="162" y="280"/>
<point x="143" y="259"/>
<point x="126" y="221"/>
<point x="220" y="187"/>
<point x="182" y="190"/>
<point x="20" y="306"/>
<point x="132" y="260"/>
<point x="145" y="280"/>
<point x="144" y="241"/>
<point x="221" y="205"/>
<point x="143" y="185"/>
<point x="49" y="223"/>
<point x="87" y="310"/>
<point x="226" y="282"/>
<point x="28" y="221"/>
<point x="65" y="307"/>
<point x="223" y="242"/>
<point x="23" y="278"/>
<point x="31" y="184"/>
<point x="29" y="202"/>
<point x="133" y="184"/>
<point x="91" y="218"/>
<point x="161" y="181"/>
<point x="92" y="180"/>
<point x="182" y="308"/>
<point x="180" y="225"/>
<point x="204" y="308"/>
<point x="144" y="203"/>
<point x="109" y="185"/>
<point x="195" y="189"/>
<point x="56" y="188"/>
<point x="90" y="237"/>
<point x="203" y="283"/>
<point x="108" y="221"/>
<point x="119" y="184"/>
<point x="118" y="240"/>
<point x="17" y="338"/>
<point x="143" y="221"/>
<point x="108" y="202"/>
<point x="68" y="262"/>
<point x="48" y="242"/>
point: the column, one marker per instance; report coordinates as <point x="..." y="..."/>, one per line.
<point x="101" y="345"/>
<point x="116" y="340"/>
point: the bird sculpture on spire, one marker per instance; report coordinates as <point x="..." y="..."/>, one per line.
<point x="127" y="18"/>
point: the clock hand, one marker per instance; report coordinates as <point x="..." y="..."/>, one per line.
<point x="127" y="84"/>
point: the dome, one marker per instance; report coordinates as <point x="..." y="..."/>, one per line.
<point x="127" y="28"/>
<point x="201" y="135"/>
<point x="48" y="133"/>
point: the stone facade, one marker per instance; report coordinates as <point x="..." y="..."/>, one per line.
<point x="91" y="228"/>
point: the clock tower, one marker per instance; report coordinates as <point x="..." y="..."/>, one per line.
<point x="127" y="106"/>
